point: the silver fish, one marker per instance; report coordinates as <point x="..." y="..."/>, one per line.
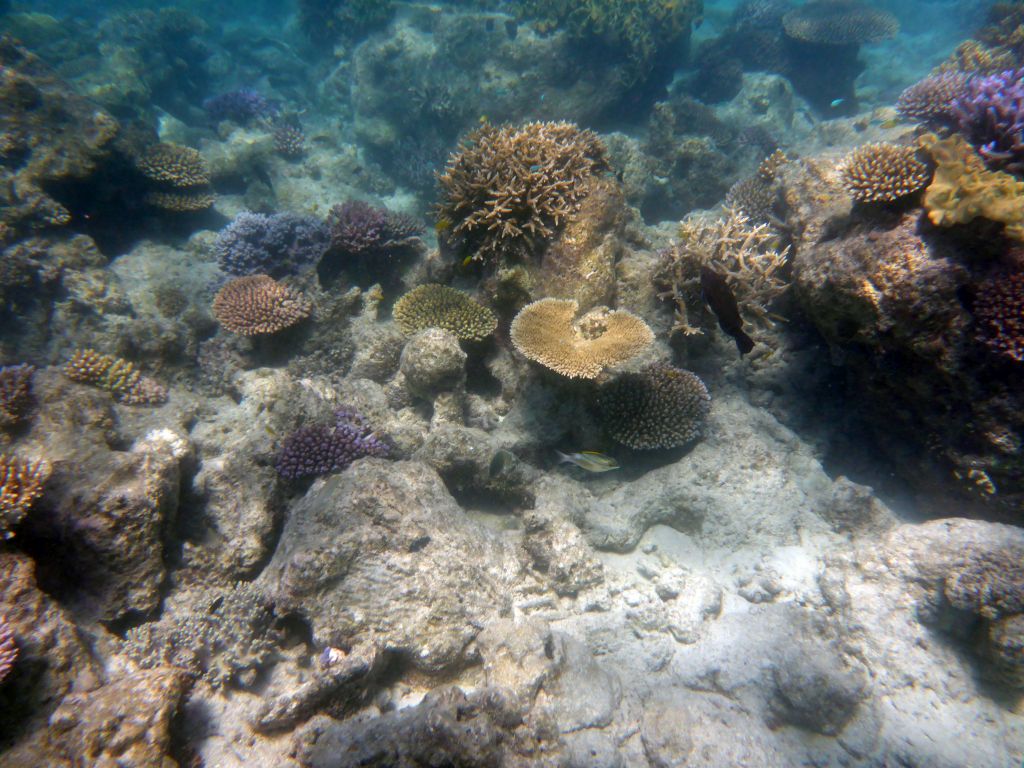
<point x="589" y="460"/>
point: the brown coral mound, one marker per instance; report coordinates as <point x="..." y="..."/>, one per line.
<point x="21" y="483"/>
<point x="932" y="98"/>
<point x="883" y="172"/>
<point x="548" y="332"/>
<point x="977" y="59"/>
<point x="963" y="188"/>
<point x="753" y="195"/>
<point x="257" y="304"/>
<point x="660" y="407"/>
<point x="15" y="393"/>
<point x="506" y="189"/>
<point x="839" y="22"/>
<point x="119" y="377"/>
<point x="438" y="306"/>
<point x="999" y="312"/>
<point x="180" y="177"/>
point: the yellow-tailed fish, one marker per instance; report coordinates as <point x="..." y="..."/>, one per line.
<point x="589" y="460"/>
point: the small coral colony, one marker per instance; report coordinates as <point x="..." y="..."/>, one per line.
<point x="513" y="256"/>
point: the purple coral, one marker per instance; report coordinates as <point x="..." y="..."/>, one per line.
<point x="360" y="229"/>
<point x="990" y="113"/>
<point x="275" y="245"/>
<point x="240" y="106"/>
<point x="321" y="449"/>
<point x="999" y="312"/>
<point x="8" y="649"/>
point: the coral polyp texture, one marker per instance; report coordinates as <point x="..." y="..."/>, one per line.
<point x="884" y="172"/>
<point x="119" y="377"/>
<point x="990" y="113"/>
<point x="839" y="22"/>
<point x="15" y="393"/>
<point x="320" y="449"/>
<point x="999" y="311"/>
<point x="289" y="140"/>
<point x="275" y="245"/>
<point x="21" y="483"/>
<point x="241" y="106"/>
<point x="8" y="650"/>
<point x="963" y="189"/>
<point x="549" y="332"/>
<point x="438" y="306"/>
<point x="508" y="188"/>
<point x="257" y="305"/>
<point x="659" y="407"/>
<point x="180" y="177"/>
<point x="931" y="99"/>
<point x="360" y="229"/>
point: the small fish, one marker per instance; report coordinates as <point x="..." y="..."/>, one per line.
<point x="835" y="103"/>
<point x="891" y="123"/>
<point x="466" y="261"/>
<point x="501" y="462"/>
<point x="721" y="300"/>
<point x="534" y="168"/>
<point x="483" y="120"/>
<point x="270" y="430"/>
<point x="589" y="460"/>
<point x="443" y="225"/>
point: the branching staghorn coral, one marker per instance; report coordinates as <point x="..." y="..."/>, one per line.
<point x="745" y="253"/>
<point x="119" y="377"/>
<point x="21" y="483"/>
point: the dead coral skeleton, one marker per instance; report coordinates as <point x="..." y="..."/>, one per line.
<point x="746" y="254"/>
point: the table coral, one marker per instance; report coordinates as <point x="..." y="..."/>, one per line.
<point x="179" y="177"/>
<point x="119" y="377"/>
<point x="438" y="306"/>
<point x="257" y="305"/>
<point x="548" y="332"/>
<point x="839" y="22"/>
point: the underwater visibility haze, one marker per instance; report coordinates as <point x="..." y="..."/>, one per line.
<point x="511" y="384"/>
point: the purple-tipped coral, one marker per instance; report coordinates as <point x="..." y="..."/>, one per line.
<point x="8" y="649"/>
<point x="931" y="99"/>
<point x="359" y="229"/>
<point x="991" y="116"/>
<point x="322" y="449"/>
<point x="241" y="106"/>
<point x="275" y="245"/>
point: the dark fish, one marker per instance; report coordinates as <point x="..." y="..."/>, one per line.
<point x="719" y="297"/>
<point x="501" y="462"/>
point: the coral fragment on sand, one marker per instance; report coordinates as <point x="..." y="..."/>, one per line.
<point x="883" y="172"/>
<point x="438" y="306"/>
<point x="119" y="377"/>
<point x="549" y="332"/>
<point x="21" y="483"/>
<point x="255" y="305"/>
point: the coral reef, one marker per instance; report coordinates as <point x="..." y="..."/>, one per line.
<point x="322" y="449"/>
<point x="757" y="196"/>
<point x="998" y="308"/>
<point x="180" y="177"/>
<point x="227" y="638"/>
<point x="839" y="22"/>
<point x="242" y="106"/>
<point x="369" y="240"/>
<point x="884" y="172"/>
<point x="257" y="305"/>
<point x="8" y="649"/>
<point x="438" y="306"/>
<point x="119" y="377"/>
<point x="550" y="332"/>
<point x="21" y="483"/>
<point x="289" y="140"/>
<point x="507" y="189"/>
<point x="990" y="113"/>
<point x="277" y="244"/>
<point x="931" y="100"/>
<point x="15" y="393"/>
<point x="963" y="189"/>
<point x="659" y="407"/>
<point x="746" y="254"/>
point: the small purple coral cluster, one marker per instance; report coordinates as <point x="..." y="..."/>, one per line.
<point x="999" y="312"/>
<point x="990" y="113"/>
<point x="360" y="229"/>
<point x="321" y="449"/>
<point x="241" y="106"/>
<point x="278" y="244"/>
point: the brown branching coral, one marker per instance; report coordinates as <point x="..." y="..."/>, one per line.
<point x="745" y="253"/>
<point x="883" y="172"/>
<point x="506" y="189"/>
<point x="548" y="332"/>
<point x="659" y="407"/>
<point x="964" y="189"/>
<point x="931" y="99"/>
<point x="839" y="22"/>
<point x="438" y="306"/>
<point x="119" y="377"/>
<point x="180" y="177"/>
<point x="15" y="393"/>
<point x="999" y="311"/>
<point x="257" y="304"/>
<point x="21" y="483"/>
<point x="975" y="58"/>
